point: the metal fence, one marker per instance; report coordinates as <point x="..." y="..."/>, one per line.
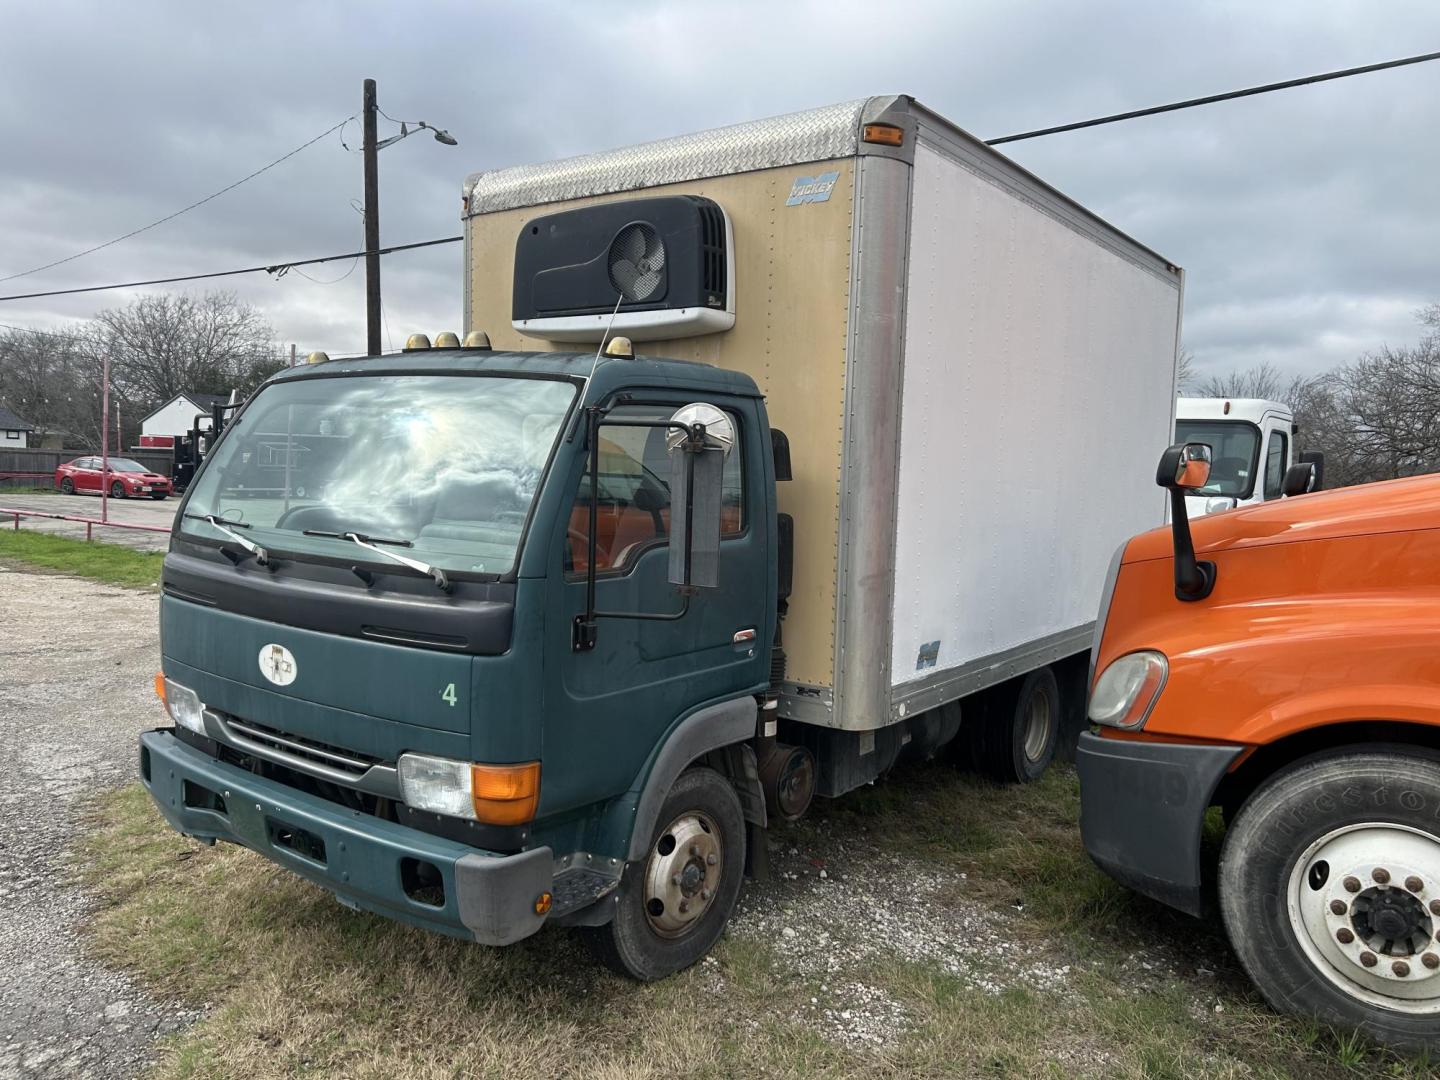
<point x="22" y="469"/>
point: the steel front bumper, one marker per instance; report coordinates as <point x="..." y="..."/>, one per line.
<point x="1142" y="808"/>
<point x="363" y="860"/>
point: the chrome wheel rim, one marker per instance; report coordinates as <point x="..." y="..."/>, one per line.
<point x="1364" y="904"/>
<point x="1037" y="727"/>
<point x="682" y="874"/>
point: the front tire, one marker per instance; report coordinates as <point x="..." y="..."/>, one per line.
<point x="1330" y="890"/>
<point x="117" y="490"/>
<point x="672" y="906"/>
<point x="67" y="486"/>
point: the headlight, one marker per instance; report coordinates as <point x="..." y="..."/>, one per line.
<point x="184" y="707"/>
<point x="1126" y="691"/>
<point x="494" y="794"/>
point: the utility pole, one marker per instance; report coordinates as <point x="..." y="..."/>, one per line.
<point x="372" y="225"/>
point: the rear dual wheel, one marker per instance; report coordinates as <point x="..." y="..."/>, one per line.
<point x="672" y="906"/>
<point x="1330" y="889"/>
<point x="1014" y="738"/>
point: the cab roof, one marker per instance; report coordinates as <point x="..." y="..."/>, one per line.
<point x="1195" y="408"/>
<point x="1407" y="505"/>
<point x="611" y="373"/>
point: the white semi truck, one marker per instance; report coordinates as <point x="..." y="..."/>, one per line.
<point x="1252" y="446"/>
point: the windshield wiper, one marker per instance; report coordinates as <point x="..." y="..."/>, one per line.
<point x="262" y="557"/>
<point x="369" y="542"/>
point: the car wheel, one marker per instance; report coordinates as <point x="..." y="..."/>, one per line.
<point x="67" y="486"/>
<point x="671" y="906"/>
<point x="1330" y="890"/>
<point x="117" y="490"/>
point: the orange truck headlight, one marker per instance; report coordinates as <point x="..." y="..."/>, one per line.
<point x="1126" y="691"/>
<point x="493" y="794"/>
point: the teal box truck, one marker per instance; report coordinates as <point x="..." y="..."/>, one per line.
<point x="769" y="454"/>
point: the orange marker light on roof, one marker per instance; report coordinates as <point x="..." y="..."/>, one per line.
<point x="505" y="794"/>
<point x="884" y="134"/>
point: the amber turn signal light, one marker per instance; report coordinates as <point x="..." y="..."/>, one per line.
<point x="542" y="903"/>
<point x="884" y="134"/>
<point x="160" y="686"/>
<point x="505" y="794"/>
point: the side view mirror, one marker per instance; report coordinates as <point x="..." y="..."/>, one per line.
<point x="1299" y="479"/>
<point x="699" y="440"/>
<point x="1185" y="467"/>
<point x="1316" y="458"/>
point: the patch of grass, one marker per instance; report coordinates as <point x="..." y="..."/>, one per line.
<point x="113" y="564"/>
<point x="296" y="984"/>
<point x="299" y="984"/>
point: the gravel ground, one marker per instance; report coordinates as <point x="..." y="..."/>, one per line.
<point x="159" y="512"/>
<point x="77" y="660"/>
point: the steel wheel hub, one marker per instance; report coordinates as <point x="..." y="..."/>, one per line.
<point x="1364" y="903"/>
<point x="682" y="874"/>
<point x="1037" y="727"/>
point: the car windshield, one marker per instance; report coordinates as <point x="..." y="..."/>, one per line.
<point x="124" y="464"/>
<point x="1234" y="451"/>
<point x="445" y="465"/>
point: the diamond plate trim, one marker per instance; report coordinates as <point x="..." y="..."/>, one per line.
<point x="813" y="135"/>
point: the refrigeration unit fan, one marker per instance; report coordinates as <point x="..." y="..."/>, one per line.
<point x="662" y="266"/>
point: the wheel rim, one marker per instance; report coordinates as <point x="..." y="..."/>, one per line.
<point x="1037" y="727"/>
<point x="1364" y="903"/>
<point x="683" y="873"/>
<point x="117" y="491"/>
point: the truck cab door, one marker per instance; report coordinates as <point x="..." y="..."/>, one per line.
<point x="608" y="707"/>
<point x="1274" y="456"/>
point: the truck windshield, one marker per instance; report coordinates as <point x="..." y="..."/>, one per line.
<point x="1234" y="452"/>
<point x="447" y="463"/>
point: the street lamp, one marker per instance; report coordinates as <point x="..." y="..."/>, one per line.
<point x="372" y="208"/>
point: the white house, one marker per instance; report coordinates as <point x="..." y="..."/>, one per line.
<point x="177" y="417"/>
<point x="14" y="432"/>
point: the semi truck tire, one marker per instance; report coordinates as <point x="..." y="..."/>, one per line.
<point x="672" y="905"/>
<point x="1330" y="891"/>
<point x="1015" y="738"/>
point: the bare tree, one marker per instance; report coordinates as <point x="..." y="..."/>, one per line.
<point x="49" y="378"/>
<point x="1260" y="381"/>
<point x="1184" y="370"/>
<point x="169" y="343"/>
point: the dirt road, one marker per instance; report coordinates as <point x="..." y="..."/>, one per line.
<point x="77" y="661"/>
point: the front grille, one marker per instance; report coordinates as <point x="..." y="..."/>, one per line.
<point x="321" y="753"/>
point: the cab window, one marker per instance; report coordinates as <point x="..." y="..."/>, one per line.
<point x="1275" y="464"/>
<point x="633" y="507"/>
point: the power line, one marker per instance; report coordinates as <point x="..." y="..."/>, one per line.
<point x="272" y="269"/>
<point x="282" y="267"/>
<point x="177" y="213"/>
<point x="1213" y="98"/>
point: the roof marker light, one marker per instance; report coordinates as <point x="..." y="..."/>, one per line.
<point x="884" y="134"/>
<point x="477" y="339"/>
<point x="621" y="348"/>
<point x="416" y="341"/>
<point x="446" y="340"/>
<point x="317" y="357"/>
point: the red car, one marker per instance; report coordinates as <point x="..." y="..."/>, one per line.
<point x="124" y="478"/>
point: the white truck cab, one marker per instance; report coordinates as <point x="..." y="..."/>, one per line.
<point x="1251" y="442"/>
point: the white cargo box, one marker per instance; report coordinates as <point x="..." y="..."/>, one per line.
<point x="976" y="375"/>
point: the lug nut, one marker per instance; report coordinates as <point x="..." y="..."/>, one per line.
<point x="1435" y="907"/>
<point x="1430" y="960"/>
<point x="1381" y="875"/>
<point x="684" y="906"/>
<point x="674" y="879"/>
<point x="1344" y="935"/>
<point x="710" y="859"/>
<point x="704" y="894"/>
<point x="1369" y="959"/>
<point x="1401" y="968"/>
<point x="1352" y="884"/>
<point x="1337" y="907"/>
<point x="1414" y="884"/>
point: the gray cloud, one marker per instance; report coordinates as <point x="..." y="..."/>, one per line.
<point x="1305" y="220"/>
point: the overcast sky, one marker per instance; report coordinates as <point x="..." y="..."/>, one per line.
<point x="1307" y="220"/>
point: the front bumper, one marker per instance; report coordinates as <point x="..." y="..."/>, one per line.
<point x="360" y="858"/>
<point x="1142" y="808"/>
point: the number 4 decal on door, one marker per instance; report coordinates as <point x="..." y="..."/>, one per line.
<point x="448" y="694"/>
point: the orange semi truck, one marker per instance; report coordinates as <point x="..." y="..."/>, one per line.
<point x="1282" y="662"/>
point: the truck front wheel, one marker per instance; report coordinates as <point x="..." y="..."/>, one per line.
<point x="1330" y="889"/>
<point x="672" y="906"/>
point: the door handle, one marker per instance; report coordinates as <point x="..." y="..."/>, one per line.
<point x="743" y="637"/>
